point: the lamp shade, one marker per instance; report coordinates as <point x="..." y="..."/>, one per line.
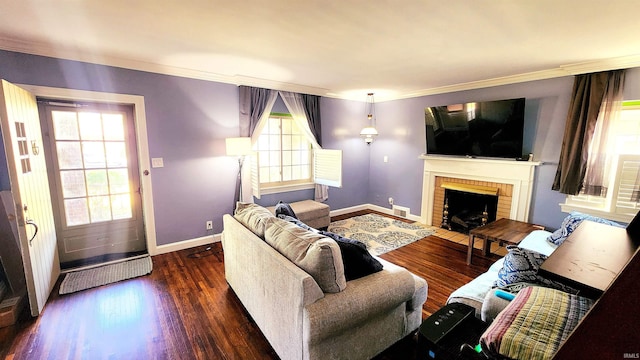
<point x="369" y="131"/>
<point x="238" y="146"/>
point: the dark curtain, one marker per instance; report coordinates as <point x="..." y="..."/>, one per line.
<point x="588" y="95"/>
<point x="312" y="110"/>
<point x="252" y="103"/>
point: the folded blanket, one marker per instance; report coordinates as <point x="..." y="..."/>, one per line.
<point x="534" y="324"/>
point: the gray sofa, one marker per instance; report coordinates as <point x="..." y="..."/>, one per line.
<point x="315" y="314"/>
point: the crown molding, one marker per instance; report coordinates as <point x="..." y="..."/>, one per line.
<point x="9" y="44"/>
<point x="623" y="62"/>
<point x="158" y="68"/>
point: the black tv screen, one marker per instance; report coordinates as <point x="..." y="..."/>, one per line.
<point x="476" y="129"/>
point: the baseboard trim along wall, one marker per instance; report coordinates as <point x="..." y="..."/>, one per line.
<point x="206" y="240"/>
<point x="187" y="244"/>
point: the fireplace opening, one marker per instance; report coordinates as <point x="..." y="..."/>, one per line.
<point x="465" y="210"/>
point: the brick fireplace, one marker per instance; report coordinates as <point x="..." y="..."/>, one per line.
<point x="513" y="181"/>
<point x="504" y="192"/>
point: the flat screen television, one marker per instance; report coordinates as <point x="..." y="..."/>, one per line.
<point x="476" y="129"/>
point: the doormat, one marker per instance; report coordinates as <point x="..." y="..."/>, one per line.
<point x="107" y="274"/>
<point x="380" y="234"/>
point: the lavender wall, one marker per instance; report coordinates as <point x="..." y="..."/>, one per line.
<point x="187" y="122"/>
<point x="402" y="123"/>
<point x="402" y="139"/>
<point x="342" y="121"/>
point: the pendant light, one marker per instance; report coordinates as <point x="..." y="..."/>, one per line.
<point x="369" y="132"/>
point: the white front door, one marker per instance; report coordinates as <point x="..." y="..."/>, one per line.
<point x="26" y="163"/>
<point x="94" y="169"/>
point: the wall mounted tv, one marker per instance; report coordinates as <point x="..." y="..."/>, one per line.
<point x="476" y="129"/>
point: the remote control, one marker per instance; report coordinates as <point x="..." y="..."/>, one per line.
<point x="504" y="295"/>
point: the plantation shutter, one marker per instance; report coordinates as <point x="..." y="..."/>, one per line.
<point x="627" y="173"/>
<point x="255" y="174"/>
<point x="327" y="167"/>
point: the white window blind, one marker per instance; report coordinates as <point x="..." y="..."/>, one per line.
<point x="627" y="175"/>
<point x="327" y="167"/>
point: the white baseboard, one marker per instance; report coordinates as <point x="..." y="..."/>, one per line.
<point x="349" y="210"/>
<point x="187" y="244"/>
<point x="381" y="209"/>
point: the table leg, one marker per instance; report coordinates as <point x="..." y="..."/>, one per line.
<point x="486" y="247"/>
<point x="470" y="249"/>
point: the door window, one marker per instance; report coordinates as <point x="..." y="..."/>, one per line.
<point x="92" y="166"/>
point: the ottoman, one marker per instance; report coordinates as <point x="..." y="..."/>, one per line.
<point x="312" y="213"/>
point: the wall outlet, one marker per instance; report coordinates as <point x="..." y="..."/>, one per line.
<point x="390" y="201"/>
<point x="209" y="225"/>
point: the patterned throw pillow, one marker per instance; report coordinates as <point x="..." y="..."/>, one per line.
<point x="521" y="266"/>
<point x="571" y="222"/>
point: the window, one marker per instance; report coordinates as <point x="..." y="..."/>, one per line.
<point x="624" y="144"/>
<point x="284" y="153"/>
<point x="287" y="161"/>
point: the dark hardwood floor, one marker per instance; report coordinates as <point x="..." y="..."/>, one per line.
<point x="185" y="310"/>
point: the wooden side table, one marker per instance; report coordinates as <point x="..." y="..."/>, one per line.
<point x="502" y="231"/>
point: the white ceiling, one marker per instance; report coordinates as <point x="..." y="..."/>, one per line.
<point x="334" y="48"/>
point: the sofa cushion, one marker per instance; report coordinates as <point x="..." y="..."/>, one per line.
<point x="357" y="260"/>
<point x="253" y="216"/>
<point x="297" y="222"/>
<point x="571" y="222"/>
<point x="316" y="254"/>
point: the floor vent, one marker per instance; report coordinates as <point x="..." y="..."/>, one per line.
<point x="400" y="211"/>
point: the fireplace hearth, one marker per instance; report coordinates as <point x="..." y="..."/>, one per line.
<point x="467" y="207"/>
<point x="514" y="179"/>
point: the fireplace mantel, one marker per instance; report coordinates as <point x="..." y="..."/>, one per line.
<point x="520" y="174"/>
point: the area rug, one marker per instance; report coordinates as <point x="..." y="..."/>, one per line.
<point x="107" y="274"/>
<point x="380" y="233"/>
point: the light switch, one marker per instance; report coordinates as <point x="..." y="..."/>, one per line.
<point x="157" y="162"/>
<point x="385" y="159"/>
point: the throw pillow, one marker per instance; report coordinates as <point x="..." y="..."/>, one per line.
<point x="521" y="266"/>
<point x="253" y="216"/>
<point x="284" y="209"/>
<point x="571" y="222"/>
<point x="316" y="254"/>
<point x="357" y="260"/>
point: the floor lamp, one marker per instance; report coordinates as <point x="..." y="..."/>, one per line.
<point x="240" y="147"/>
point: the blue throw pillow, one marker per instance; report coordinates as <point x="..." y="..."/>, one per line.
<point x="283" y="208"/>
<point x="357" y="260"/>
<point x="521" y="266"/>
<point x="571" y="222"/>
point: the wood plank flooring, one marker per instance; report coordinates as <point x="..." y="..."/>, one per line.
<point x="185" y="310"/>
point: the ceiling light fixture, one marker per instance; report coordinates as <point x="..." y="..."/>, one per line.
<point x="369" y="132"/>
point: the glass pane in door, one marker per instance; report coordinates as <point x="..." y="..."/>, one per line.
<point x="93" y="168"/>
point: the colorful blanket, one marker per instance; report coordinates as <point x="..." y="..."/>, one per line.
<point x="534" y="324"/>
